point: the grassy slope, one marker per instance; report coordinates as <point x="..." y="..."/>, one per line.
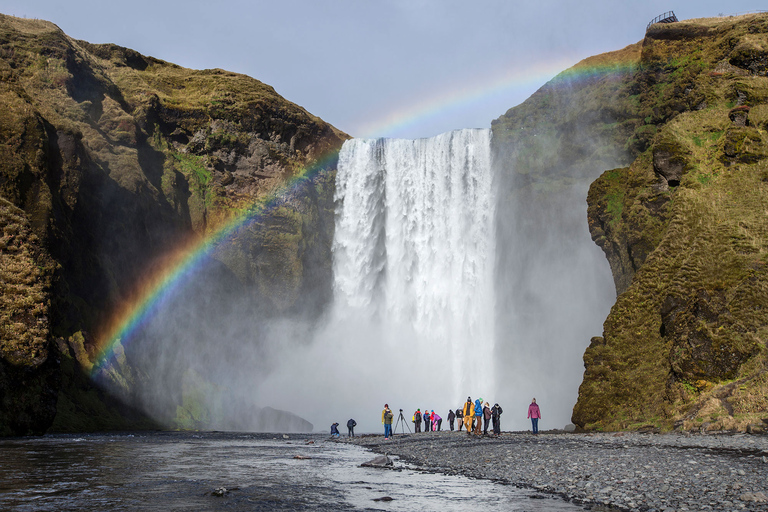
<point x="684" y="345"/>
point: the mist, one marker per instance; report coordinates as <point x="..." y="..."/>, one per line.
<point x="452" y="277"/>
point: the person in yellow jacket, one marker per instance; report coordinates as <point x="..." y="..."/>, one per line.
<point x="469" y="413"/>
<point x="386" y="419"/>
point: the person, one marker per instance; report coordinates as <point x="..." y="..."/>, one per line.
<point x="451" y="418"/>
<point x="426" y="420"/>
<point x="486" y="418"/>
<point x="386" y="419"/>
<point x="460" y="418"/>
<point x="436" y="421"/>
<point x="335" y="430"/>
<point x="478" y="416"/>
<point x="351" y="424"/>
<point x="469" y="414"/>
<point x="496" y="417"/>
<point x="417" y="420"/>
<point x="534" y="413"/>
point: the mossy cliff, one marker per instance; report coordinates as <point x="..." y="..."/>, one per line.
<point x="672" y="130"/>
<point x="685" y="229"/>
<point x="108" y="160"/>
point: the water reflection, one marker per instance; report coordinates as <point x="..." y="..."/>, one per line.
<point x="181" y="471"/>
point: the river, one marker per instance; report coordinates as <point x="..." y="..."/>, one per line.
<point x="172" y="471"/>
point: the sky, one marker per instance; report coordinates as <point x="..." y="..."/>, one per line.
<point x="384" y="68"/>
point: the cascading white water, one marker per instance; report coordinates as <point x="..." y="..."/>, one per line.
<point x="414" y="250"/>
<point x="412" y="323"/>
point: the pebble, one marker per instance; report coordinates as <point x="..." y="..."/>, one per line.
<point x="625" y="471"/>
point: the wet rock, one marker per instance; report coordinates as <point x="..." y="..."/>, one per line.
<point x="385" y="498"/>
<point x="379" y="462"/>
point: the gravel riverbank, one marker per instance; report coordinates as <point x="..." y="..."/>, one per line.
<point x="623" y="471"/>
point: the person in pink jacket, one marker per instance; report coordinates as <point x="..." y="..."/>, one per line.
<point x="436" y="421"/>
<point x="534" y="413"/>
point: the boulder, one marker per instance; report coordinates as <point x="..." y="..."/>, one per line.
<point x="381" y="461"/>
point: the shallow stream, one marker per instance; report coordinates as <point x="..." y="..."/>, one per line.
<point x="173" y="471"/>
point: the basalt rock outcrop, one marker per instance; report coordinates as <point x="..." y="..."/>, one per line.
<point x="685" y="230"/>
<point x="108" y="161"/>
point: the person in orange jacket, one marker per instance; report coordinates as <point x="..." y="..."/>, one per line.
<point x="469" y="414"/>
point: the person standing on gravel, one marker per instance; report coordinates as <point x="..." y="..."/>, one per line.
<point x="459" y="417"/>
<point x="469" y="414"/>
<point x="386" y="419"/>
<point x="535" y="415"/>
<point x="437" y="421"/>
<point x="426" y="420"/>
<point x="351" y="424"/>
<point x="496" y="417"/>
<point x="417" y="421"/>
<point x="486" y="418"/>
<point x="451" y="417"/>
<point x="478" y="416"/>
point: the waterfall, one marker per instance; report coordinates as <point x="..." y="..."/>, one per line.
<point x="413" y="254"/>
<point x="412" y="321"/>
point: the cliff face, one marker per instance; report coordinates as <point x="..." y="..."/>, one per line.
<point x="679" y="121"/>
<point x="109" y="159"/>
<point x="685" y="229"/>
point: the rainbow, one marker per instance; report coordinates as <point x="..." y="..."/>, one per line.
<point x="500" y="85"/>
<point x="181" y="264"/>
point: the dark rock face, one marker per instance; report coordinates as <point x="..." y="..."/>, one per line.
<point x="685" y="232"/>
<point x="698" y="350"/>
<point x="29" y="375"/>
<point x="113" y="173"/>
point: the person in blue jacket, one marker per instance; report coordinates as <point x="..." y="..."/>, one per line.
<point x="335" y="430"/>
<point x="478" y="416"/>
<point x="351" y="424"/>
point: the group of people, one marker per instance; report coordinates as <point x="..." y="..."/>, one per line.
<point x="351" y="424"/>
<point x="432" y="421"/>
<point x="475" y="417"/>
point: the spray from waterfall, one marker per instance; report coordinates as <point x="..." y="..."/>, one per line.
<point x="412" y="322"/>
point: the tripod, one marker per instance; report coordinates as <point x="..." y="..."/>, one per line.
<point x="401" y="421"/>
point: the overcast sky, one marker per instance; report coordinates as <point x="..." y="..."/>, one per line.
<point x="393" y="68"/>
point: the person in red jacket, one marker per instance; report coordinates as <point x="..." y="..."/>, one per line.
<point x="534" y="414"/>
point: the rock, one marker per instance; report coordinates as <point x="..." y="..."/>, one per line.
<point x="385" y="498"/>
<point x="739" y="115"/>
<point x="755" y="497"/>
<point x="219" y="491"/>
<point x="570" y="427"/>
<point x="301" y="457"/>
<point x="379" y="462"/>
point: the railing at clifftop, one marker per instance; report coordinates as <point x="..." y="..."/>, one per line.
<point x="667" y="17"/>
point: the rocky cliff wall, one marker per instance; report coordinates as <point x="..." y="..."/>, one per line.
<point x="685" y="230"/>
<point x="109" y="159"/>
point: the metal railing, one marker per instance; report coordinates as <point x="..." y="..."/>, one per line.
<point x="667" y="17"/>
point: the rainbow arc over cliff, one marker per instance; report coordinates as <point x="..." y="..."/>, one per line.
<point x="182" y="263"/>
<point x="185" y="261"/>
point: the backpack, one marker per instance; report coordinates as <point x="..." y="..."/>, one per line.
<point x="417" y="417"/>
